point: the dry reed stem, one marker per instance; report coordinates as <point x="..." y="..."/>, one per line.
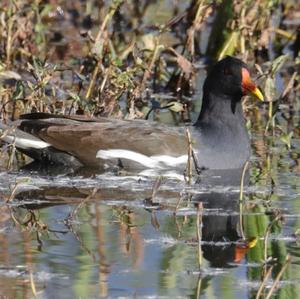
<point x="178" y="203"/>
<point x="80" y="205"/>
<point x="241" y="199"/>
<point x="13" y="192"/>
<point x="289" y="86"/>
<point x="148" y="71"/>
<point x="266" y="236"/>
<point x="276" y="281"/>
<point x="199" y="287"/>
<point x="156" y="187"/>
<point x="32" y="284"/>
<point x="263" y="283"/>
<point x="99" y="36"/>
<point x="199" y="232"/>
<point x="189" y="166"/>
<point x="242" y="180"/>
<point x="92" y="82"/>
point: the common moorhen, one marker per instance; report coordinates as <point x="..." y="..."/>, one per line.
<point x="219" y="136"/>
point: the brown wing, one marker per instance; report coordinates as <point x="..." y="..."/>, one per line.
<point x="84" y="140"/>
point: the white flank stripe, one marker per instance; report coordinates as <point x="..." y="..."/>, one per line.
<point x="25" y="143"/>
<point x="150" y="162"/>
<point x="130" y="155"/>
<point x="171" y="161"/>
<point x="167" y="174"/>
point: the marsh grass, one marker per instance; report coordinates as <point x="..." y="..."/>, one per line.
<point x="107" y="59"/>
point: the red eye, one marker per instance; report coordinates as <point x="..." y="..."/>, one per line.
<point x="226" y="72"/>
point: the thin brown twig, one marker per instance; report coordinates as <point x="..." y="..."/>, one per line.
<point x="14" y="191"/>
<point x="243" y="179"/>
<point x="289" y="86"/>
<point x="200" y="16"/>
<point x="241" y="199"/>
<point x="112" y="11"/>
<point x="77" y="237"/>
<point x="98" y="38"/>
<point x="199" y="287"/>
<point x="12" y="154"/>
<point x="148" y="71"/>
<point x="80" y="205"/>
<point x="156" y="187"/>
<point x="140" y="88"/>
<point x="277" y="279"/>
<point x="263" y="283"/>
<point x="92" y="82"/>
<point x="199" y="232"/>
<point x="72" y="215"/>
<point x="266" y="236"/>
<point x="189" y="166"/>
<point x="32" y="284"/>
<point x="178" y="202"/>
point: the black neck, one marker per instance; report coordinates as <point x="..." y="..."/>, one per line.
<point x="221" y="134"/>
<point x="219" y="109"/>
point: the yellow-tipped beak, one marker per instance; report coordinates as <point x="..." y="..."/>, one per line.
<point x="256" y="93"/>
<point x="249" y="87"/>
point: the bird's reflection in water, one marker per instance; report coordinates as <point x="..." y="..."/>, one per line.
<point x="220" y="230"/>
<point x="220" y="219"/>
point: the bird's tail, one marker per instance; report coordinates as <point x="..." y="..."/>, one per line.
<point x="34" y="147"/>
<point x="22" y="140"/>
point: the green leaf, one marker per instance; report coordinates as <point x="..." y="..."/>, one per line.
<point x="4" y="75"/>
<point x="74" y="96"/>
<point x="175" y="107"/>
<point x="46" y="10"/>
<point x="286" y="139"/>
<point x="230" y="45"/>
<point x="97" y="48"/>
<point x="149" y="41"/>
<point x="117" y="62"/>
<point x="39" y="28"/>
<point x="278" y="63"/>
<point x="270" y="89"/>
